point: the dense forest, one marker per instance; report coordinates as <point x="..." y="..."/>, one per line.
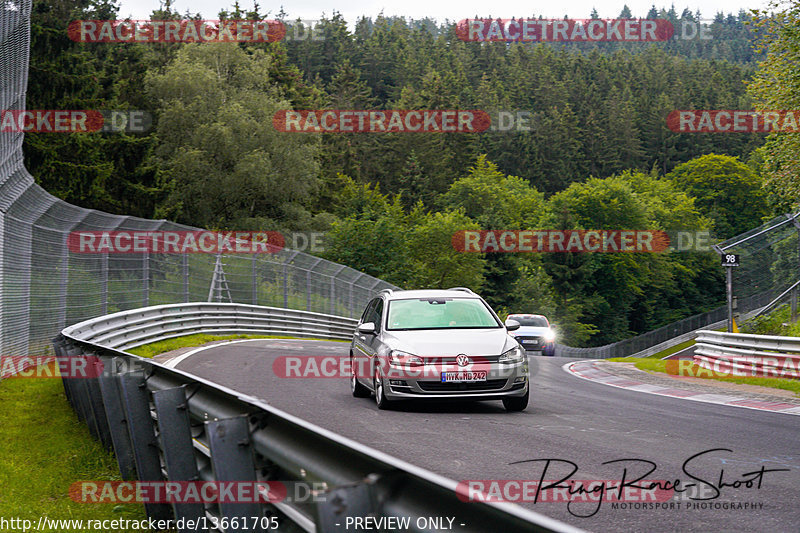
<point x="597" y="153"/>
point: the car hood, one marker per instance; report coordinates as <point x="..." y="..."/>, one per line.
<point x="451" y="342"/>
<point x="530" y="331"/>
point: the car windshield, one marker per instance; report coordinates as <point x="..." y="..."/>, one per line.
<point x="439" y="313"/>
<point x="536" y="321"/>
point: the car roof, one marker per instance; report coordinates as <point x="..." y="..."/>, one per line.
<point x="526" y="315"/>
<point x="430" y="293"/>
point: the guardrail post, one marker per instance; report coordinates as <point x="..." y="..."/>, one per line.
<point x="77" y="394"/>
<point x="116" y="419"/>
<point x="115" y="416"/>
<point x="341" y="503"/>
<point x="96" y="402"/>
<point x="232" y="460"/>
<point x="175" y="431"/>
<point x="143" y="437"/>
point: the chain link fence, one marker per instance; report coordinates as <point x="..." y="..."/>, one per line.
<point x="44" y="286"/>
<point x="769" y="258"/>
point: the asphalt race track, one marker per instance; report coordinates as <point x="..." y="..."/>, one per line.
<point x="568" y="419"/>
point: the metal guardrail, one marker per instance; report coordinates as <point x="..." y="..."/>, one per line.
<point x="759" y="355"/>
<point x="165" y="424"/>
<point x="128" y="329"/>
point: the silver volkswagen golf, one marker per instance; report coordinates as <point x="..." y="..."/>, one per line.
<point x="443" y="344"/>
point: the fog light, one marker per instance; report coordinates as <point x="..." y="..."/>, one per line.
<point x="398" y="382"/>
<point x="520" y="379"/>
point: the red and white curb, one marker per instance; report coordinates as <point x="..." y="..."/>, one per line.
<point x="589" y="371"/>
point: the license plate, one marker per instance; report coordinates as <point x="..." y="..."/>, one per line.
<point x="531" y="344"/>
<point x="463" y="376"/>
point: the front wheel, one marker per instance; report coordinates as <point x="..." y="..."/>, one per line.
<point x="358" y="390"/>
<point x="380" y="394"/>
<point x="516" y="403"/>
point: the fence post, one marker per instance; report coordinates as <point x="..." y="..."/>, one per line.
<point x="185" y="265"/>
<point x="255" y="281"/>
<point x="104" y="283"/>
<point x="286" y="279"/>
<point x="308" y="284"/>
<point x="333" y="289"/>
<point x="146" y="278"/>
<point x="352" y="304"/>
<point x="62" y="311"/>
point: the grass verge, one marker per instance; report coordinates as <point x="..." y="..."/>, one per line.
<point x="198" y="339"/>
<point x="674" y="349"/>
<point x="656" y="365"/>
<point x="45" y="449"/>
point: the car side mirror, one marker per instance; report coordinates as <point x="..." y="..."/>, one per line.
<point x="512" y="325"/>
<point x="367" y="328"/>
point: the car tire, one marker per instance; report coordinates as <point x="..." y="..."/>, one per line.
<point x="358" y="390"/>
<point x="380" y="395"/>
<point x="516" y="403"/>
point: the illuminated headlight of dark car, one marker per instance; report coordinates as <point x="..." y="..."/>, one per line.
<point x="514" y="355"/>
<point x="398" y="357"/>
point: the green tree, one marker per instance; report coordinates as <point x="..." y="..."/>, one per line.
<point x="775" y="86"/>
<point x="220" y="160"/>
<point x="726" y="190"/>
<point x="434" y="262"/>
<point x="496" y="202"/>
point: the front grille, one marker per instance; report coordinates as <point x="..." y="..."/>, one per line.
<point x="438" y="386"/>
<point x="451" y="360"/>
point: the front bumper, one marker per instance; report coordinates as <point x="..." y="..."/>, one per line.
<point x="536" y="344"/>
<point x="502" y="381"/>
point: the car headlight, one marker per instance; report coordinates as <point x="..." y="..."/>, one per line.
<point x="398" y="357"/>
<point x="514" y="355"/>
<point x="550" y="335"/>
